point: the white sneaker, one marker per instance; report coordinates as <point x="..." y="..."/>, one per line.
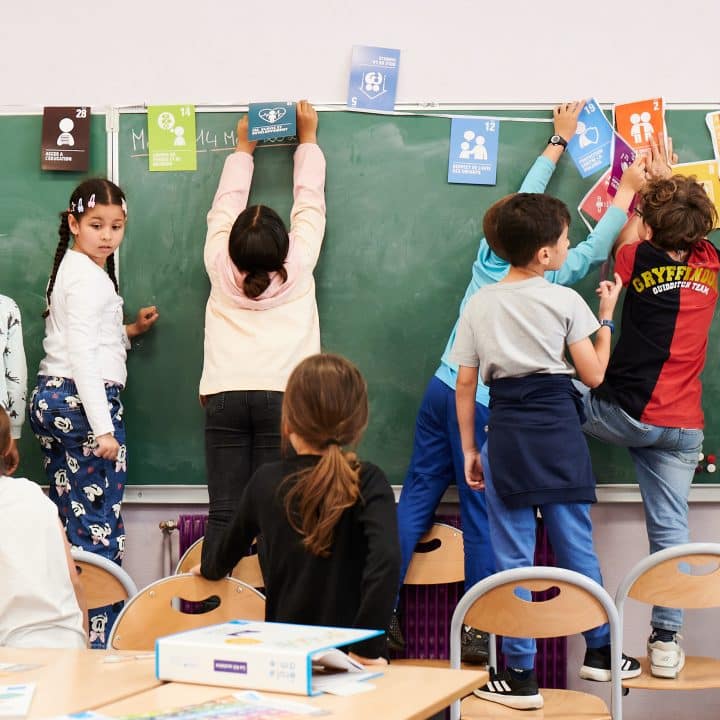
<point x="667" y="659"/>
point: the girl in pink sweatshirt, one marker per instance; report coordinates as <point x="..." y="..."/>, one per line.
<point x="261" y="318"/>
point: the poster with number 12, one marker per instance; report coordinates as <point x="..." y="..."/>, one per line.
<point x="473" y="151"/>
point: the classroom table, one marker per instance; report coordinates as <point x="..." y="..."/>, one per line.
<point x="404" y="692"/>
<point x="68" y="681"/>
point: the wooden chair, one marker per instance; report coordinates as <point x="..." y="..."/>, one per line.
<point x="103" y="581"/>
<point x="581" y="604"/>
<point x="664" y="578"/>
<point x="439" y="559"/>
<point x="155" y="612"/>
<point x="247" y="570"/>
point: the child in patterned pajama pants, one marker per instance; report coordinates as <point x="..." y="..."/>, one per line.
<point x="87" y="489"/>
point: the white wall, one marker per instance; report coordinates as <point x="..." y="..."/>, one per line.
<point x="230" y="51"/>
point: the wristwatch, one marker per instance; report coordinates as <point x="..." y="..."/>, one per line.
<point x="608" y="323"/>
<point x="558" y="140"/>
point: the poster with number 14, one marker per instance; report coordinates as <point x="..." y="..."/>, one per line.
<point x="171" y="138"/>
<point x="473" y="151"/>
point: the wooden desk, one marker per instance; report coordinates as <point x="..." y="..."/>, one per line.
<point x="68" y="681"/>
<point x="402" y="693"/>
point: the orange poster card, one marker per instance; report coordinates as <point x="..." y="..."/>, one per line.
<point x="640" y="122"/>
<point x="712" y="120"/>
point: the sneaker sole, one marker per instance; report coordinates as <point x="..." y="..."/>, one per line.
<point x="667" y="673"/>
<point x="516" y="702"/>
<point x="602" y="675"/>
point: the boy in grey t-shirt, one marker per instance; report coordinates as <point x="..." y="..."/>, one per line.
<point x="515" y="334"/>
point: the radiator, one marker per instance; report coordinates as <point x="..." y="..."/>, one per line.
<point x="427" y="609"/>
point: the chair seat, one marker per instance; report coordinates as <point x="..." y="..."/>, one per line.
<point x="559" y="705"/>
<point x="699" y="673"/>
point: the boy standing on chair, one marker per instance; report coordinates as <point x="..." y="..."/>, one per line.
<point x="515" y="334"/>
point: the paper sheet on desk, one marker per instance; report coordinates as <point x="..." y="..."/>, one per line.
<point x="15" y="700"/>
<point x="336" y="673"/>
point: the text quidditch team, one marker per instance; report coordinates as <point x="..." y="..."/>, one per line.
<point x="504" y="416"/>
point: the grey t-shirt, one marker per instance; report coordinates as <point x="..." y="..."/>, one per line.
<point x="514" y="329"/>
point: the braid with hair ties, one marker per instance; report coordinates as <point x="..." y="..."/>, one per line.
<point x="62" y="247"/>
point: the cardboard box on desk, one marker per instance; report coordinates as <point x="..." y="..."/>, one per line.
<point x="300" y="659"/>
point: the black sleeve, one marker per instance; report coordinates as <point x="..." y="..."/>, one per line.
<point x="381" y="574"/>
<point x="219" y="560"/>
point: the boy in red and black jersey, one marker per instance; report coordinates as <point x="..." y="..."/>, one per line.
<point x="650" y="401"/>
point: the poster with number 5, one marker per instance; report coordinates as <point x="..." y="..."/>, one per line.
<point x="473" y="151"/>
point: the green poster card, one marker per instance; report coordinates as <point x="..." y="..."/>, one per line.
<point x="171" y="138"/>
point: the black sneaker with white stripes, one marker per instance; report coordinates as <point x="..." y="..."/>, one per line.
<point x="596" y="665"/>
<point x="512" y="690"/>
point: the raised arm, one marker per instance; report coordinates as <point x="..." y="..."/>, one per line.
<point x="307" y="219"/>
<point x="591" y="360"/>
<point x="232" y="194"/>
<point x="594" y="251"/>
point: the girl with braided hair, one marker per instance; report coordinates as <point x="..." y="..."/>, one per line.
<point x="75" y="411"/>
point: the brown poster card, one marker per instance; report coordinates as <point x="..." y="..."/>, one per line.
<point x="65" y="138"/>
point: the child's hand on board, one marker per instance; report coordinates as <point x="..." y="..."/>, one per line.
<point x="307" y="122"/>
<point x="565" y="118"/>
<point x="243" y="144"/>
<point x="107" y="447"/>
<point x="634" y="176"/>
<point x="12" y="457"/>
<point x="145" y="319"/>
<point x="608" y="292"/>
<point x="661" y="157"/>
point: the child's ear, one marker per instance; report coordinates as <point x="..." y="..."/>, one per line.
<point x="73" y="224"/>
<point x="543" y="255"/>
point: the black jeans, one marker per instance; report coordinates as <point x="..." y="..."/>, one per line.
<point x="242" y="432"/>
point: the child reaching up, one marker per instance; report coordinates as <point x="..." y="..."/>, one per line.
<point x="514" y="334"/>
<point x="261" y="318"/>
<point x="330" y="553"/>
<point x="41" y="600"/>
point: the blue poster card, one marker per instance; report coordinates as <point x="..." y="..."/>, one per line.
<point x="373" y="78"/>
<point x="473" y="151"/>
<point x="271" y="120"/>
<point x="591" y="146"/>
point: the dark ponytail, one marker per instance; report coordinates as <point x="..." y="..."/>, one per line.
<point x="96" y="191"/>
<point x="258" y="245"/>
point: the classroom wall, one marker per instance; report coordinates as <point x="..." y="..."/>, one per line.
<point x="225" y="51"/>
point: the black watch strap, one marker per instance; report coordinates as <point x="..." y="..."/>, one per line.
<point x="558" y="140"/>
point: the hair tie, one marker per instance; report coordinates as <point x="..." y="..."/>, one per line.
<point x="333" y="441"/>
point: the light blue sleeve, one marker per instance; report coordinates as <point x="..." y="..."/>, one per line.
<point x="590" y="252"/>
<point x="488" y="268"/>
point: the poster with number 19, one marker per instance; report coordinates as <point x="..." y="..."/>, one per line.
<point x="473" y="151"/>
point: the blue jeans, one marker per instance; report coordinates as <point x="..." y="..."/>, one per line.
<point x="437" y="461"/>
<point x="665" y="459"/>
<point x="513" y="539"/>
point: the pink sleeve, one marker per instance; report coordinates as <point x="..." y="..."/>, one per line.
<point x="230" y="200"/>
<point x="307" y="219"/>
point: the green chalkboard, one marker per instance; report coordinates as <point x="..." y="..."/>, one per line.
<point x="30" y="203"/>
<point x="396" y="260"/>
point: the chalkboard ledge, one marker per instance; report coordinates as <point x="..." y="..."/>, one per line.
<point x="198" y="495"/>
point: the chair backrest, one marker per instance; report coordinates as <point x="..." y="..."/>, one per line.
<point x="103" y="581"/>
<point x="247" y="570"/>
<point x="155" y="612"/>
<point x="664" y="578"/>
<point x="495" y="605"/>
<point x="438" y="558"/>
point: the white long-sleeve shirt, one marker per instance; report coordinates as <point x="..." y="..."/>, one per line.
<point x="85" y="338"/>
<point x="38" y="606"/>
<point x="13" y="371"/>
<point x="255" y="344"/>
